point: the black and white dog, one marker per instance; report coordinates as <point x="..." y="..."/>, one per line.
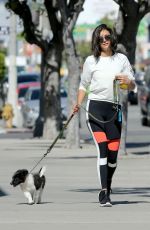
<point x="32" y="185"/>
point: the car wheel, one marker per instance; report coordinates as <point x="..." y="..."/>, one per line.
<point x="144" y="121"/>
<point x="148" y="113"/>
<point x="38" y="127"/>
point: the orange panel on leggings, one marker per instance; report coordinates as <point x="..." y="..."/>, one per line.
<point x="113" y="145"/>
<point x="100" y="137"/>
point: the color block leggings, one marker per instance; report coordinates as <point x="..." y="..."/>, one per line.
<point x="106" y="137"/>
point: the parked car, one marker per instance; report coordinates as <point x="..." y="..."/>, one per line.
<point x="144" y="98"/>
<point x="21" y="78"/>
<point x="139" y="77"/>
<point x="22" y="89"/>
<point x="64" y="104"/>
<point x="133" y="96"/>
<point x="30" y="107"/>
<point x="28" y="77"/>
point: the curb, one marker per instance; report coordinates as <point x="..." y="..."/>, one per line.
<point x="17" y="130"/>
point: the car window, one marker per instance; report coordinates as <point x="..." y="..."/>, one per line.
<point x="63" y="93"/>
<point x="28" y="95"/>
<point x="30" y="78"/>
<point x="35" y="94"/>
<point x="25" y="78"/>
<point x="147" y="76"/>
<point x="22" y="92"/>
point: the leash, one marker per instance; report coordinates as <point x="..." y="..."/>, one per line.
<point x="54" y="142"/>
<point x="96" y="119"/>
<point x="115" y="105"/>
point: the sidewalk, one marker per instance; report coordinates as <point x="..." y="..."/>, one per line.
<point x="4" y="130"/>
<point x="70" y="198"/>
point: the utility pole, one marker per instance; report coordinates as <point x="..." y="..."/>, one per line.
<point x="12" y="72"/>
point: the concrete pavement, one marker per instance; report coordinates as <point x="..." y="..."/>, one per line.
<point x="70" y="198"/>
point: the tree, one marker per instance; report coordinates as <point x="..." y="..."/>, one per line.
<point x="2" y="75"/>
<point x="84" y="49"/>
<point x="109" y="19"/>
<point x="69" y="14"/>
<point x="59" y="18"/>
<point x="2" y="66"/>
<point x="129" y="16"/>
<point x="42" y="27"/>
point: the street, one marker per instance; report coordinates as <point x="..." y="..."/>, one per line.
<point x="70" y="199"/>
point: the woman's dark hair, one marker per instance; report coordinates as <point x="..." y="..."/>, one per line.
<point x="96" y="49"/>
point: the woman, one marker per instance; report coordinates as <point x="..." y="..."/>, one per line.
<point x="99" y="72"/>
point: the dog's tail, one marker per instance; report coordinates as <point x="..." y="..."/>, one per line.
<point x="42" y="171"/>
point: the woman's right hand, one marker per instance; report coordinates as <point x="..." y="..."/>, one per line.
<point x="76" y="108"/>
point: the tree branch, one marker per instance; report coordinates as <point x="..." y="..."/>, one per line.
<point x="52" y="11"/>
<point x="144" y="8"/>
<point x="70" y="12"/>
<point x="23" y="11"/>
<point x="75" y="11"/>
<point x="128" y="6"/>
<point x="63" y="9"/>
<point x="119" y="2"/>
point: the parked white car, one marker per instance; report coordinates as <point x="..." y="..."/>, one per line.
<point x="31" y="105"/>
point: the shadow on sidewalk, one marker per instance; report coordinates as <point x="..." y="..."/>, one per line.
<point x="129" y="202"/>
<point x="140" y="191"/>
<point x="3" y="193"/>
<point x="138" y="145"/>
<point x="143" y="191"/>
<point x="46" y="202"/>
<point x="141" y="153"/>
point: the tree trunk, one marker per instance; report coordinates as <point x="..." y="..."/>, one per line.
<point x="126" y="28"/>
<point x="50" y="110"/>
<point x="51" y="94"/>
<point x="127" y="38"/>
<point x="72" y="137"/>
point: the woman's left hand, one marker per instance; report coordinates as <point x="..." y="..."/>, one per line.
<point x="125" y="82"/>
<point x="123" y="79"/>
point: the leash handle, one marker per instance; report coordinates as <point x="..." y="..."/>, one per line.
<point x="116" y="88"/>
<point x="54" y="142"/>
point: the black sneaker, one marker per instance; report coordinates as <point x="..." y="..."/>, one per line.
<point x="104" y="199"/>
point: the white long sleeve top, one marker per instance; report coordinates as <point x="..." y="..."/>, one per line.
<point x="98" y="76"/>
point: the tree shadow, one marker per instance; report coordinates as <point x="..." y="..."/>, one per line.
<point x="138" y="191"/>
<point x="117" y="190"/>
<point x="138" y="145"/>
<point x="75" y="157"/>
<point x="141" y="191"/>
<point x="3" y="193"/>
<point x="128" y="202"/>
<point x="141" y="153"/>
<point x="47" y="202"/>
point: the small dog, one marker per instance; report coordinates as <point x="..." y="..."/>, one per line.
<point x="32" y="185"/>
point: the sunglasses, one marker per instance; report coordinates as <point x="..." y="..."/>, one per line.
<point x="104" y="38"/>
